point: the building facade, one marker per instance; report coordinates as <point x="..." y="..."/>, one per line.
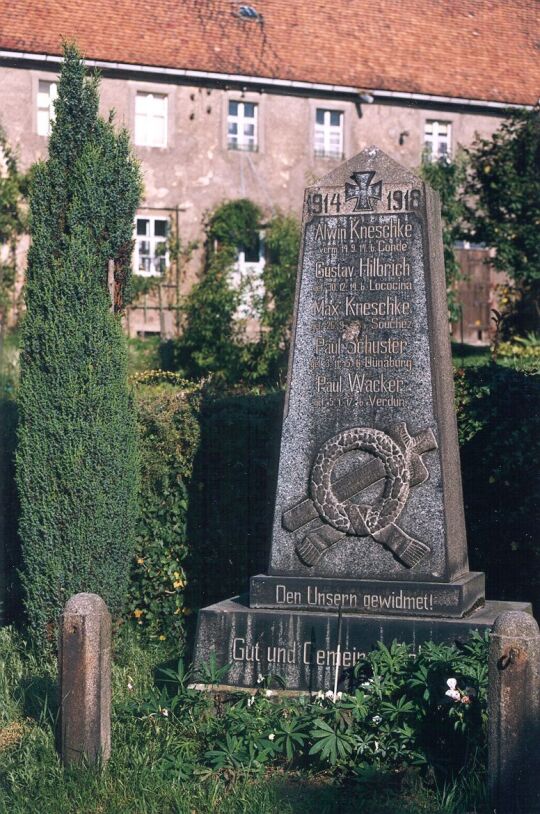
<point x="225" y="100"/>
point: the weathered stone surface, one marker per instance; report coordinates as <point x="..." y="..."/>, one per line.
<point x="369" y="510"/>
<point x="369" y="484"/>
<point x="514" y="715"/>
<point x="328" y="594"/>
<point x="85" y="679"/>
<point x="300" y="647"/>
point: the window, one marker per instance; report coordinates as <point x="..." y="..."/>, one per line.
<point x="151" y="119"/>
<point x="151" y="256"/>
<point x="242" y="126"/>
<point x="247" y="278"/>
<point x="437" y="139"/>
<point x="329" y="133"/>
<point x="47" y="93"/>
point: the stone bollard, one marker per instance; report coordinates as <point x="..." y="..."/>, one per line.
<point x="514" y="715"/>
<point x="85" y="680"/>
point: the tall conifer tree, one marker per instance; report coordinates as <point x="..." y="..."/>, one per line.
<point x="76" y="457"/>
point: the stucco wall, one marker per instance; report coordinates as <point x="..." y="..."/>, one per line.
<point x="196" y="171"/>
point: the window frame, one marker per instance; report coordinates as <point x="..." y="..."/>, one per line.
<point x="327" y="127"/>
<point x="154" y="242"/>
<point x="241" y="119"/>
<point x="248" y="274"/>
<point x="150" y="142"/>
<point x="435" y="139"/>
<point x="51" y="114"/>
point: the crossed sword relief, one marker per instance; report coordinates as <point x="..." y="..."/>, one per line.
<point x="397" y="457"/>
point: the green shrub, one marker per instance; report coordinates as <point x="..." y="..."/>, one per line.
<point x="448" y="178"/>
<point x="499" y="427"/>
<point x="209" y="344"/>
<point x="265" y="361"/>
<point x="399" y="711"/>
<point x="214" y="340"/>
<point x="167" y="412"/>
<point x="503" y="202"/>
<point x="232" y="494"/>
<point x="76" y="456"/>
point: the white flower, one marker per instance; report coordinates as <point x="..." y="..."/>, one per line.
<point x="366" y="684"/>
<point x="165" y="713"/>
<point x="329" y="694"/>
<point x="130" y="684"/>
<point x="376" y="746"/>
<point x="376" y="719"/>
<point x="260" y="679"/>
<point x="271" y="736"/>
<point x="269" y="693"/>
<point x="320" y="694"/>
<point x="339" y="696"/>
<point x="251" y="701"/>
<point x="452" y="693"/>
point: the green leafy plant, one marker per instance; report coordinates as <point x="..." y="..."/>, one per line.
<point x="13" y="222"/>
<point x="448" y="178"/>
<point x="210" y="673"/>
<point x="331" y="742"/>
<point x="76" y="456"/>
<point x="425" y="710"/>
<point x="214" y="339"/>
<point x="167" y="418"/>
<point x="504" y="210"/>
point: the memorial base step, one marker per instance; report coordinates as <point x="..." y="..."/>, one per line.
<point x="300" y="646"/>
<point x="373" y="597"/>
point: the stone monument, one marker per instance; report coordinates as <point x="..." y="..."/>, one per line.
<point x="369" y="511"/>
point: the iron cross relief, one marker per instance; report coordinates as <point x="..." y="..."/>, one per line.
<point x="363" y="192"/>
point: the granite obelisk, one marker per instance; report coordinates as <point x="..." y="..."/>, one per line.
<point x="369" y="510"/>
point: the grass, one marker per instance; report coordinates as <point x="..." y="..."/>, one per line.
<point x="470" y="355"/>
<point x="138" y="779"/>
<point x="143" y="354"/>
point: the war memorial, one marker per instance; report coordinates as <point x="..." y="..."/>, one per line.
<point x="369" y="539"/>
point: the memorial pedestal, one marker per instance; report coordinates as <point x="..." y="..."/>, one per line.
<point x="301" y="646"/>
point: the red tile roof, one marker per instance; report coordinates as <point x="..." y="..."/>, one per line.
<point x="480" y="49"/>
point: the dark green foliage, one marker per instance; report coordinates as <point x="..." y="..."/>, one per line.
<point x="9" y="508"/>
<point x="396" y="714"/>
<point x="267" y="359"/>
<point x="232" y="494"/>
<point x="209" y="346"/>
<point x="179" y="751"/>
<point x="448" y="178"/>
<point x="234" y="223"/>
<point x="214" y="340"/>
<point x="76" y="457"/>
<point x="168" y="439"/>
<point x="504" y="186"/>
<point x="499" y="425"/>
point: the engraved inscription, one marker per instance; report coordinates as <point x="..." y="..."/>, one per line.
<point x="363" y="282"/>
<point x="313" y="596"/>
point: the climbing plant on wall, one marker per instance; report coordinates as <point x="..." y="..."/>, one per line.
<point x="214" y="341"/>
